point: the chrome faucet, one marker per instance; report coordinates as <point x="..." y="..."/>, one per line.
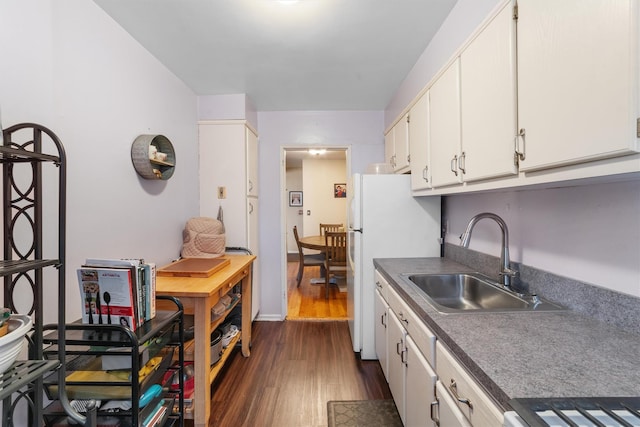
<point x="506" y="273"/>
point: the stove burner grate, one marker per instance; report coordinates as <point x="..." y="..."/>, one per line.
<point x="579" y="411"/>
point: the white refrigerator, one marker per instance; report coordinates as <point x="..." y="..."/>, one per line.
<point x="385" y="221"/>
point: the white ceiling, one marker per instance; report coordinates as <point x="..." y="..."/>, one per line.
<point x="309" y="55"/>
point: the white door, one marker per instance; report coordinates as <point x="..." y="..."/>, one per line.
<point x="381" y="318"/>
<point x="577" y="80"/>
<point x="252" y="245"/>
<point x="449" y="414"/>
<point x="420" y="387"/>
<point x="396" y="341"/>
<point x="401" y="144"/>
<point x="419" y="143"/>
<point x="444" y="127"/>
<point x="488" y="101"/>
<point x="252" y="162"/>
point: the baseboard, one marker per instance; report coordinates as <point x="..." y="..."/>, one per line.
<point x="269" y="318"/>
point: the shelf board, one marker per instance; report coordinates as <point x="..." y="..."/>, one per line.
<point x="161" y="163"/>
<point x="17" y="266"/>
<point x="215" y="369"/>
<point x="10" y="154"/>
<point x="24" y="372"/>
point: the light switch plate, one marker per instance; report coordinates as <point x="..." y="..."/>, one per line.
<point x="222" y="192"/>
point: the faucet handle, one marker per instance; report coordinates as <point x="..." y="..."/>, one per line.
<point x="509" y="273"/>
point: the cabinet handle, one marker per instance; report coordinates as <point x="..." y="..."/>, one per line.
<point x="398" y="344"/>
<point x="382" y="319"/>
<point x="434" y="405"/>
<point x="453" y="164"/>
<point x="250" y="208"/>
<point x="403" y="356"/>
<point x="454" y="390"/>
<point x="520" y="153"/>
<point x="462" y="162"/>
<point x="250" y="186"/>
<point x="378" y="284"/>
<point x="424" y="174"/>
<point x="402" y="318"/>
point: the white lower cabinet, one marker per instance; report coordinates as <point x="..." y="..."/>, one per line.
<point x="381" y="309"/>
<point x="469" y="399"/>
<point x="447" y="413"/>
<point x="429" y="386"/>
<point x="419" y="388"/>
<point x="397" y="373"/>
<point x="410" y="375"/>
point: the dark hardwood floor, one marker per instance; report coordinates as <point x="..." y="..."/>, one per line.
<point x="295" y="368"/>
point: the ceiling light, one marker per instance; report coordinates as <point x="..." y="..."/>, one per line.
<point x="317" y="152"/>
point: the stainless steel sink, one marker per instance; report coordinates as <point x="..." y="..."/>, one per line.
<point x="472" y="293"/>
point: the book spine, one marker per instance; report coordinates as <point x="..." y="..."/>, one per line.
<point x="150" y="282"/>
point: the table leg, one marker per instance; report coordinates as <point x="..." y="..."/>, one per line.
<point x="246" y="314"/>
<point x="202" y="364"/>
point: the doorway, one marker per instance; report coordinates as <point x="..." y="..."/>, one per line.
<point x="308" y="181"/>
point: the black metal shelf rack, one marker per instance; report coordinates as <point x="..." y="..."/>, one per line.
<point x="26" y="153"/>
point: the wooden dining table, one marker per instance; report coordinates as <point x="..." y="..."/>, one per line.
<point x="317" y="243"/>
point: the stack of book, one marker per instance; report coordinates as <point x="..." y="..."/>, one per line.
<point x="118" y="291"/>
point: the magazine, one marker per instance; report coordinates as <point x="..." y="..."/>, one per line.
<point x="108" y="296"/>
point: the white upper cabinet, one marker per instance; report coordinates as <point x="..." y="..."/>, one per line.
<point x="401" y="144"/>
<point x="488" y="101"/>
<point x="251" y="140"/>
<point x="444" y="127"/>
<point x="577" y="80"/>
<point x="396" y="145"/>
<point x="389" y="148"/>
<point x="419" y="143"/>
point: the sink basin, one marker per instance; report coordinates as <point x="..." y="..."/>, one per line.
<point x="472" y="293"/>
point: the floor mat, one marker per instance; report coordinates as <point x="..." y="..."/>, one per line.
<point x="369" y="413"/>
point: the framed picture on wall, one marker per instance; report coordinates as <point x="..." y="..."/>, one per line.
<point x="295" y="198"/>
<point x="339" y="190"/>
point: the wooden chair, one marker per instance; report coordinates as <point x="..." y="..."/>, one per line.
<point x="330" y="227"/>
<point x="335" y="256"/>
<point x="314" y="260"/>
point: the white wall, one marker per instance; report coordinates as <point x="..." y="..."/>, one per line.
<point x="462" y="21"/>
<point x="360" y="130"/>
<point x="70" y="67"/>
<point x="294" y="217"/>
<point x="319" y="176"/>
<point x="589" y="233"/>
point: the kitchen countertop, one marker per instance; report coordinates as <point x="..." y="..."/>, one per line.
<point x="526" y="354"/>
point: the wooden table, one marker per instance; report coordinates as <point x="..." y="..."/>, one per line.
<point x="198" y="296"/>
<point x="317" y="243"/>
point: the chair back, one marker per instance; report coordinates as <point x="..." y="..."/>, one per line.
<point x="336" y="251"/>
<point x="295" y="234"/>
<point x="330" y="227"/>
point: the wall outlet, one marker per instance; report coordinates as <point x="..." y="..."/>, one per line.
<point x="222" y="192"/>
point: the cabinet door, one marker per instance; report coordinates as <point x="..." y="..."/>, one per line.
<point x="488" y="101"/>
<point x="577" y="80"/>
<point x="444" y="127"/>
<point x="252" y="163"/>
<point x="389" y="149"/>
<point x="420" y="387"/>
<point x="419" y="143"/>
<point x="396" y="341"/>
<point x="401" y="145"/>
<point x="448" y="413"/>
<point x="381" y="318"/>
<point x="252" y="245"/>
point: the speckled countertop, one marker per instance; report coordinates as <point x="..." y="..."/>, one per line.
<point x="526" y="354"/>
